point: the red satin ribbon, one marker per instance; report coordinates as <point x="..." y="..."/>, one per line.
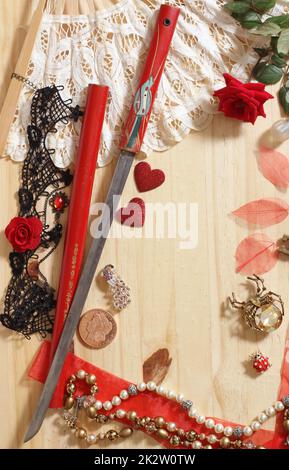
<point x="146" y="403"/>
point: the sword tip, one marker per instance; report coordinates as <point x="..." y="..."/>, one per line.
<point x="31" y="431"/>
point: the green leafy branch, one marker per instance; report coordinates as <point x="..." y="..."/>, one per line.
<point x="272" y="66"/>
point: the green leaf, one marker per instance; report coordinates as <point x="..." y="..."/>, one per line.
<point x="283" y="42"/>
<point x="284" y="98"/>
<point x="278" y="61"/>
<point x="250" y="20"/>
<point x="267" y="73"/>
<point x="267" y="29"/>
<point x="263" y="5"/>
<point x="238" y="7"/>
<point x="282" y="21"/>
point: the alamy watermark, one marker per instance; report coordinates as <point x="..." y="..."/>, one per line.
<point x="178" y="221"/>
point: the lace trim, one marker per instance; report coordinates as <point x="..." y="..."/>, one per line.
<point x="29" y="298"/>
<point x="110" y="47"/>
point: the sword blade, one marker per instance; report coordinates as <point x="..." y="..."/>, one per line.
<point x="116" y="188"/>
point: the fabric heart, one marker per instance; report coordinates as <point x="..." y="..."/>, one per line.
<point x="146" y="178"/>
<point x="133" y="215"/>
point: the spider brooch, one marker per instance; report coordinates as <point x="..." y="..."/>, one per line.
<point x="263" y="312"/>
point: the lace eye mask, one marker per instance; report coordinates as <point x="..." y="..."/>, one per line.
<point x="36" y="232"/>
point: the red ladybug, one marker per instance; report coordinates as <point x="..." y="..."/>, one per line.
<point x="260" y="362"/>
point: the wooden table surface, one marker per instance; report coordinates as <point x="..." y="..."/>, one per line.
<point x="178" y="296"/>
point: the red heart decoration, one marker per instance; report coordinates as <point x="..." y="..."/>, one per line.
<point x="133" y="215"/>
<point x="146" y="178"/>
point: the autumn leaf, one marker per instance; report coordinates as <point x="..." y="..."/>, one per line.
<point x="263" y="212"/>
<point x="156" y="367"/>
<point x="256" y="254"/>
<point x="274" y="166"/>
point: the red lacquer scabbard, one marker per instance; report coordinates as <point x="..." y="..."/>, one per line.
<point x="86" y="163"/>
<point x="140" y="111"/>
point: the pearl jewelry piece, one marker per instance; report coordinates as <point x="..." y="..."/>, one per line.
<point x="192" y="413"/>
<point x="107" y="405"/>
<point x="120" y="414"/>
<point x="270" y="411"/>
<point x="197" y="445"/>
<point x="209" y="423"/>
<point x="228" y="431"/>
<point x="180" y="398"/>
<point x="262" y="418"/>
<point x="91" y="438"/>
<point x="280" y="130"/>
<point x="80" y="374"/>
<point x="200" y="419"/>
<point x="255" y="425"/>
<point x="171" y="395"/>
<point x="279" y="406"/>
<point x="151" y="386"/>
<point x="124" y="395"/>
<point x="98" y="404"/>
<point x="160" y="390"/>
<point x="116" y="401"/>
<point x="171" y="427"/>
<point x="248" y="431"/>
<point x="212" y="439"/>
<point x="219" y="428"/>
<point x="141" y="387"/>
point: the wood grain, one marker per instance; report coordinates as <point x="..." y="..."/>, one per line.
<point x="178" y="296"/>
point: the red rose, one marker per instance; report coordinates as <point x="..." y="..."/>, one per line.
<point x="243" y="101"/>
<point x="24" y="234"/>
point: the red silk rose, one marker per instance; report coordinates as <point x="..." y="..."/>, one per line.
<point x="243" y="101"/>
<point x="24" y="233"/>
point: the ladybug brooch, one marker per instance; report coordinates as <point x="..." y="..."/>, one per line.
<point x="264" y="311"/>
<point x="260" y="362"/>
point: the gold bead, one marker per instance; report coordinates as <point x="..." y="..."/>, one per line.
<point x="91" y="412"/>
<point x="126" y="432"/>
<point x="208" y="447"/>
<point x="225" y="442"/>
<point x="69" y="402"/>
<point x="160" y="421"/>
<point x="94" y="389"/>
<point x="175" y="440"/>
<point x="260" y="447"/>
<point x="162" y="433"/>
<point x="90" y="379"/>
<point x="70" y="387"/>
<point x="286" y="425"/>
<point x="132" y="415"/>
<point x="180" y="432"/>
<point x="81" y="433"/>
<point x="72" y="378"/>
<point x="191" y="436"/>
<point x="111" y="435"/>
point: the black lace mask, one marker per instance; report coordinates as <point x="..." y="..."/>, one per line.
<point x="29" y="300"/>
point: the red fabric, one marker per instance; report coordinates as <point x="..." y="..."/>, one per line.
<point x="133" y="215"/>
<point x="145" y="404"/>
<point x="242" y="101"/>
<point x="24" y="233"/>
<point x="147" y="179"/>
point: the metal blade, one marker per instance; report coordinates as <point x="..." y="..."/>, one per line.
<point x="118" y="181"/>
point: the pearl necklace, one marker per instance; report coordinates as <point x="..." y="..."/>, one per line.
<point x="219" y="436"/>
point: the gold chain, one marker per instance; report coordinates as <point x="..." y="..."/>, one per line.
<point x="25" y="80"/>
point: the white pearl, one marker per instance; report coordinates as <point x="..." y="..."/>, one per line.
<point x="197" y="445"/>
<point x="248" y="431"/>
<point x="171" y="426"/>
<point x="192" y="412"/>
<point x="180" y="398"/>
<point x="279" y="406"/>
<point x="98" y="405"/>
<point x="228" y="431"/>
<point x="120" y="413"/>
<point x="209" y="423"/>
<point x="219" y="428"/>
<point x="80" y="374"/>
<point x="160" y="390"/>
<point x="124" y="395"/>
<point x="212" y="438"/>
<point x="116" y="401"/>
<point x="280" y="130"/>
<point x="151" y="386"/>
<point x="91" y="438"/>
<point x="255" y="425"/>
<point x="262" y="418"/>
<point x="107" y="405"/>
<point x="200" y="419"/>
<point x="171" y="395"/>
<point x="270" y="411"/>
<point x="141" y="387"/>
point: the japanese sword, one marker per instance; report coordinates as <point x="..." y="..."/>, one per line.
<point x="130" y="145"/>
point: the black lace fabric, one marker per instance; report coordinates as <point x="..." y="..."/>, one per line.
<point x="29" y="300"/>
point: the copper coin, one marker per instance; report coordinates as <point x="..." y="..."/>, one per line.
<point x="97" y="328"/>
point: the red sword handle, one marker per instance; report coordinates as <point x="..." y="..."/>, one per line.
<point x="138" y="118"/>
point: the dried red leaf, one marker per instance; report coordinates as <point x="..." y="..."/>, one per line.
<point x="256" y="254"/>
<point x="156" y="366"/>
<point x="274" y="166"/>
<point x="263" y="212"/>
